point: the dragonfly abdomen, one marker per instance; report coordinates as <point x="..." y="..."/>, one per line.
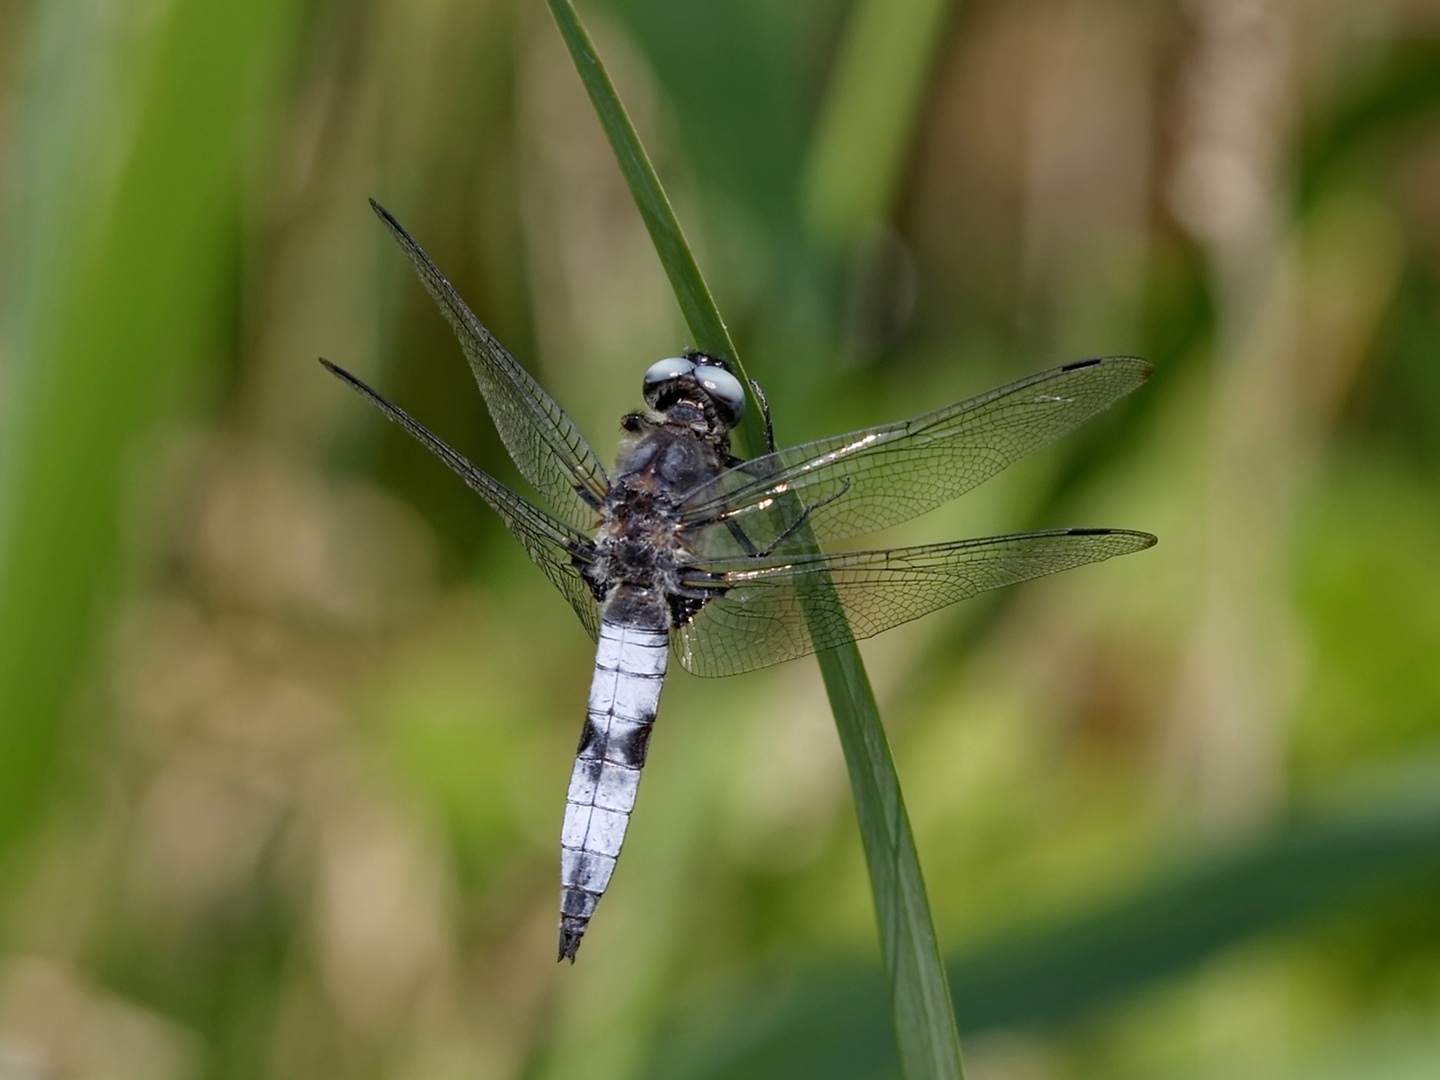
<point x="624" y="694"/>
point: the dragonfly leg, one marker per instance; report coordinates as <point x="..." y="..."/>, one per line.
<point x="765" y="412"/>
<point x="740" y="538"/>
<point x="754" y="551"/>
<point x="687" y="599"/>
<point x="794" y="527"/>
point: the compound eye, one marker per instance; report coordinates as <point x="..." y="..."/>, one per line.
<point x="665" y="370"/>
<point x="725" y="390"/>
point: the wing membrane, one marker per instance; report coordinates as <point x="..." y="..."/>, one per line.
<point x="785" y="608"/>
<point x="544" y="442"/>
<point x="552" y="545"/>
<point x="849" y="485"/>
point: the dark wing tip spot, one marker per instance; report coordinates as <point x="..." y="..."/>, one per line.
<point x="1144" y="539"/>
<point x="1145" y="368"/>
<point x="339" y="372"/>
<point x="396" y="229"/>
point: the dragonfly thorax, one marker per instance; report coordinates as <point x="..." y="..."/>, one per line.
<point x="665" y="460"/>
<point x="640" y="542"/>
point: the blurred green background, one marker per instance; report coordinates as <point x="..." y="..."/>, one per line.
<point x="286" y="718"/>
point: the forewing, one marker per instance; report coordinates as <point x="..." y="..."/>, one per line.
<point x="544" y="442"/>
<point x="551" y="544"/>
<point x="785" y="608"/>
<point x="854" y="484"/>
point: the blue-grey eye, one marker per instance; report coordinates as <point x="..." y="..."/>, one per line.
<point x="724" y="389"/>
<point x="662" y="372"/>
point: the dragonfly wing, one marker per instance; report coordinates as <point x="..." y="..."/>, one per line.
<point x="555" y="547"/>
<point x="784" y="608"/>
<point x="544" y="442"/>
<point x="849" y="485"/>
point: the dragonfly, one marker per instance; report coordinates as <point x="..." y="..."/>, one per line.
<point x="685" y="548"/>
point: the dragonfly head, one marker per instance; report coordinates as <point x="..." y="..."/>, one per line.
<point x="700" y="381"/>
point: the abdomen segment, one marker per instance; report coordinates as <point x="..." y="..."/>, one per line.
<point x="629" y="671"/>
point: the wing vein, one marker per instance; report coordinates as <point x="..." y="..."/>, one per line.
<point x="544" y="442"/>
<point x="554" y="546"/>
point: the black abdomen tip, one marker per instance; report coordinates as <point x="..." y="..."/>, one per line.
<point x="569" y="943"/>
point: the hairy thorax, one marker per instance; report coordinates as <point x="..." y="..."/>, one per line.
<point x="640" y="546"/>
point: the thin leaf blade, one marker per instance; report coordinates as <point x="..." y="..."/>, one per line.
<point x="693" y="295"/>
<point x="924" y="1019"/>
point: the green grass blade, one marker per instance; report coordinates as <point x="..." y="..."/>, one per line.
<point x="693" y="294"/>
<point x="860" y="141"/>
<point x="112" y="328"/>
<point x="925" y="1029"/>
<point x="1332" y="866"/>
<point x="924" y="1020"/>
